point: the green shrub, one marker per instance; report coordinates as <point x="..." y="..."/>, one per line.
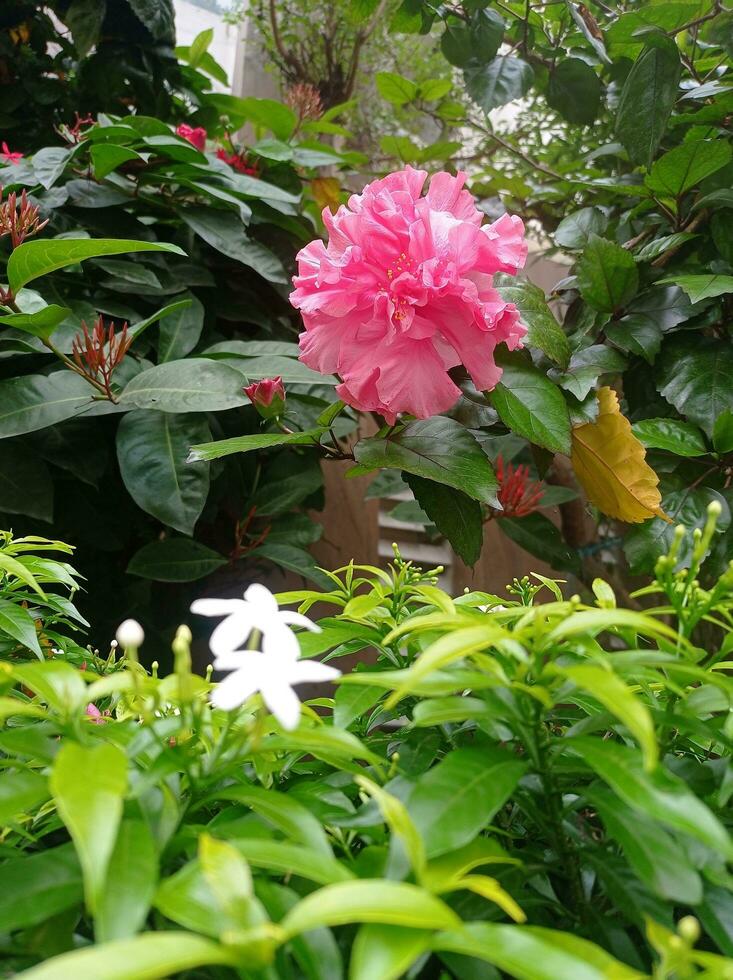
<point x="106" y="467"/>
<point x="504" y="787"/>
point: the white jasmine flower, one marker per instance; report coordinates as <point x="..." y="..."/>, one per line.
<point x="258" y="610"/>
<point x="130" y="634"/>
<point x="273" y="670"/>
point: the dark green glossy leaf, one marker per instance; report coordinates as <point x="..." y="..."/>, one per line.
<point x="672" y="435"/>
<point x="188" y="385"/>
<point x="574" y="90"/>
<point x="694" y="375"/>
<point x="437" y="449"/>
<point x="454" y="514"/>
<point x="607" y="275"/>
<point x="531" y="405"/>
<point x="543" y="330"/>
<point x="175" y="560"/>
<point x="647" y="98"/>
<point x="502" y="80"/>
<point x="685" y="166"/>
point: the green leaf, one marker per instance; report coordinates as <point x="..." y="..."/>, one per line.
<point x="437" y="449"/>
<point x="617" y="698"/>
<point x="26" y="486"/>
<point x="41" y="324"/>
<point x="18" y="623"/>
<point x="654" y="248"/>
<point x="647" y="98"/>
<point x="655" y="855"/>
<point x="672" y="435"/>
<point x="50" y="162"/>
<point x="694" y="375"/>
<point x="531" y="405"/>
<point x="39" y="886"/>
<point x="151" y="451"/>
<point x="37" y="258"/>
<point x="686" y="165"/>
<point x="158" y="16"/>
<point x="351" y="703"/>
<point x="575" y="229"/>
<point x="253" y="443"/>
<point x="137" y="328"/>
<point x="503" y="80"/>
<point x="387" y="902"/>
<point x="455" y="515"/>
<point x="223" y="230"/>
<point x="55" y="682"/>
<point x="194" y="384"/>
<point x="543" y="330"/>
<point x="132" y="876"/>
<point x="175" y="560"/>
<point x="607" y="275"/>
<point x="658" y="794"/>
<point x="541" y="538"/>
<point x="107" y="157"/>
<point x="20" y="792"/>
<point x="386" y="952"/>
<point x="702" y="287"/>
<point x="124" y="271"/>
<point x="645" y="542"/>
<point x="187" y="899"/>
<point x="575" y="90"/>
<point x="293" y="559"/>
<point x="454" y="801"/>
<point x="199" y="46"/>
<point x="88" y="786"/>
<point x="292" y="859"/>
<point x="180" y="330"/>
<point x="395" y="88"/>
<point x="230" y="880"/>
<point x="283" y="812"/>
<point x="35" y="401"/>
<point x="586" y="367"/>
<point x="85" y="18"/>
<point x="534" y="953"/>
<point x="723" y="432"/>
<point x="154" y="955"/>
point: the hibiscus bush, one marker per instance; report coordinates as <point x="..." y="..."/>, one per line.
<point x="152" y="255"/>
<point x="522" y="786"/>
<point x="608" y="126"/>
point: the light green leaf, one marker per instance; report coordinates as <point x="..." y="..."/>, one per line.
<point x="39" y="886"/>
<point x="386" y="952"/>
<point x="155" y="955"/>
<point x="41" y="324"/>
<point x="292" y="859"/>
<point x="386" y="902"/>
<point x="88" y="786"/>
<point x="395" y="88"/>
<point x="658" y="794"/>
<point x="107" y="157"/>
<point x="458" y="798"/>
<point x="18" y="623"/>
<point x="534" y="953"/>
<point x="37" y="258"/>
<point x="21" y="791"/>
<point x="617" y="697"/>
<point x="701" y="287"/>
<point x="132" y="876"/>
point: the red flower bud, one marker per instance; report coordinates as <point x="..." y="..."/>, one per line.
<point x="518" y="495"/>
<point x="267" y="396"/>
<point x="196" y="136"/>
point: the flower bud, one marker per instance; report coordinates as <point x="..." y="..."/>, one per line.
<point x="267" y="396"/>
<point x="130" y="634"/>
<point x="196" y="136"/>
<point x="689" y="929"/>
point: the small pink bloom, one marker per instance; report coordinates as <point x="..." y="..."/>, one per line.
<point x="267" y="396"/>
<point x="196" y="136"/>
<point x="95" y="715"/>
<point x="403" y="291"/>
<point x="8" y="155"/>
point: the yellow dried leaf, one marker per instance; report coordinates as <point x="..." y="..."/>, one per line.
<point x="326" y="192"/>
<point x="610" y="463"/>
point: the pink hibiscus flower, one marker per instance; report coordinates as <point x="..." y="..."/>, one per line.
<point x="403" y="292"/>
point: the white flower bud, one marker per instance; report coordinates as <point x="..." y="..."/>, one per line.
<point x="130" y="634"/>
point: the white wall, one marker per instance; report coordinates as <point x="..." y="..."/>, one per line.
<point x="191" y="20"/>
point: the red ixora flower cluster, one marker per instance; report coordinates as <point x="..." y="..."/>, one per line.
<point x="305" y="100"/>
<point x="9" y="156"/>
<point x="19" y="221"/>
<point x="97" y="353"/>
<point x="518" y="495"/>
<point x="239" y="162"/>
